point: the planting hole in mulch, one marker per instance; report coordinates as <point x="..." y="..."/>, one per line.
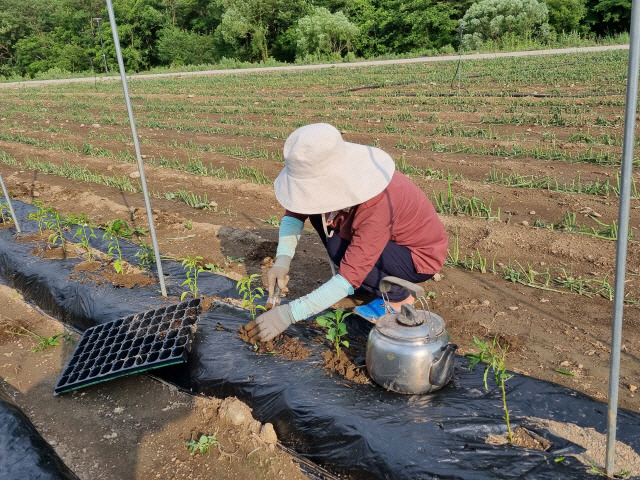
<point x="343" y="366"/>
<point x="102" y="272"/>
<point x="88" y="266"/>
<point x="54" y="253"/>
<point x="522" y="437"/>
<point x="282" y="345"/>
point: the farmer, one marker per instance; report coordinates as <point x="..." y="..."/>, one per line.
<point x="373" y="221"/>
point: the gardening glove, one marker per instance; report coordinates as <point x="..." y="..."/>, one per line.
<point x="278" y="274"/>
<point x="269" y="324"/>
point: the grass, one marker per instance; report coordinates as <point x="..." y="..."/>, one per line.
<point x="43" y="342"/>
<point x="553" y="279"/>
<point x="569" y="224"/>
<point x="450" y="204"/>
<point x="546" y="182"/>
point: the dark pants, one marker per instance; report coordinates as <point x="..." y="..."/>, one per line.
<point x="394" y="261"/>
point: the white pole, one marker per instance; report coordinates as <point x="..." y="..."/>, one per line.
<point x="623" y="233"/>
<point x="6" y="195"/>
<point x="136" y="144"/>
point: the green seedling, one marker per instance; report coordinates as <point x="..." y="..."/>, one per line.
<point x="54" y="223"/>
<point x="273" y="220"/>
<point x="40" y="215"/>
<point x="231" y="259"/>
<point x="565" y="372"/>
<point x="193" y="267"/>
<point x="494" y="356"/>
<point x="213" y="268"/>
<point x="72" y="219"/>
<point x="84" y="237"/>
<point x="122" y="229"/>
<point x="145" y="255"/>
<point x="202" y="445"/>
<point x="250" y="294"/>
<point x="43" y="342"/>
<point x="114" y="249"/>
<point x="188" y="225"/>
<point x="5" y="213"/>
<point x="595" y="470"/>
<point x="337" y="329"/>
<point x="190" y="198"/>
<point x="229" y="212"/>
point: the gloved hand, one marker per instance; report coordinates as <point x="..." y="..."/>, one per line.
<point x="278" y="273"/>
<point x="269" y="324"/>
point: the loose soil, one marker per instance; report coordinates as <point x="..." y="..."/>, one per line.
<point x="132" y="428"/>
<point x="282" y="345"/>
<point x="343" y="366"/>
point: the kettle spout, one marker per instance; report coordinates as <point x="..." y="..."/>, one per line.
<point x="442" y="369"/>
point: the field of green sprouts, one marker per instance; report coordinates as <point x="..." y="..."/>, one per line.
<point x="522" y="164"/>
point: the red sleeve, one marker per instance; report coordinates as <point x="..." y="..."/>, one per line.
<point x="371" y="232"/>
<point x="300" y="216"/>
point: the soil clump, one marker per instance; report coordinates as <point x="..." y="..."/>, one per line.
<point x="282" y="345"/>
<point x="343" y="366"/>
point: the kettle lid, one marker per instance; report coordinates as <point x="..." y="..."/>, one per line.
<point x="411" y="325"/>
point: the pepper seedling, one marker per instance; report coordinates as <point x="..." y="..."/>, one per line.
<point x="84" y="237"/>
<point x="114" y="249"/>
<point x="250" y="294"/>
<point x="337" y="329"/>
<point x="194" y="268"/>
<point x="494" y="356"/>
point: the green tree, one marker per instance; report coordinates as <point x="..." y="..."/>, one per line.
<point x="252" y="26"/>
<point x="492" y="19"/>
<point x="139" y="22"/>
<point x="182" y="47"/>
<point x="418" y="25"/>
<point x="323" y="33"/>
<point x="566" y="15"/>
<point x="607" y="17"/>
<point x="19" y="19"/>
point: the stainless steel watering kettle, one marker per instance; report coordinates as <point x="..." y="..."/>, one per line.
<point x="409" y="351"/>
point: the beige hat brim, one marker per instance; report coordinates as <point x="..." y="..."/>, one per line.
<point x="365" y="172"/>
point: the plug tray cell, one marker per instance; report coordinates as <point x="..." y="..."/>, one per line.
<point x="133" y="344"/>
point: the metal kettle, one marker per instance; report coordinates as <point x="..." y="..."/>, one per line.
<point x="409" y="351"/>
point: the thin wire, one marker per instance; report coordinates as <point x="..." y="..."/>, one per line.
<point x="458" y="71"/>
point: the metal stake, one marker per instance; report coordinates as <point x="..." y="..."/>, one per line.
<point x="13" y="214"/>
<point x="460" y="63"/>
<point x="623" y="231"/>
<point x="104" y="57"/>
<point x="136" y="144"/>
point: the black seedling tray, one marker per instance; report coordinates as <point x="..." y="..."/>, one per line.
<point x="139" y="342"/>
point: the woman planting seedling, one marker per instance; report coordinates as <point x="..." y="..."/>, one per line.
<point x="373" y="221"/>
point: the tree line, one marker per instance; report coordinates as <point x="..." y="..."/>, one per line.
<point x="65" y="35"/>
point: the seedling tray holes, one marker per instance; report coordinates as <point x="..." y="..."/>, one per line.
<point x="139" y="342"/>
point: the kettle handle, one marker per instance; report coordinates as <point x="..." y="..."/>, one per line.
<point x="416" y="290"/>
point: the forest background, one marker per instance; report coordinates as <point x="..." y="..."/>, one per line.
<point x="58" y="38"/>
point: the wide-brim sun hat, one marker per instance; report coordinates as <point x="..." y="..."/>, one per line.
<point x="323" y="173"/>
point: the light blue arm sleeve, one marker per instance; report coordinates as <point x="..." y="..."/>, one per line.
<point x="288" y="236"/>
<point x="321" y="298"/>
